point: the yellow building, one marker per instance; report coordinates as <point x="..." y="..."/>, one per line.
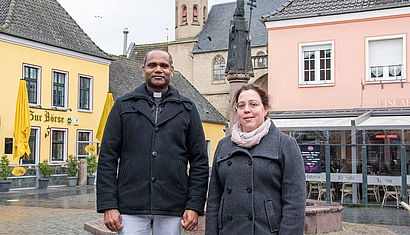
<point x="67" y="79"/>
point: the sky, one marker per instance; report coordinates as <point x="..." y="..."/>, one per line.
<point x="104" y="20"/>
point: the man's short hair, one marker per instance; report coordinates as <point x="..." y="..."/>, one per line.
<point x="157" y="49"/>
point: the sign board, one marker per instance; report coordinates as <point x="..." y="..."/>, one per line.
<point x="311" y="158"/>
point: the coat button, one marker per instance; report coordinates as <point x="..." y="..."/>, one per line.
<point x="249" y="217"/>
<point x="250" y="162"/>
<point x="154" y="154"/>
<point x="156" y="129"/>
<point x="228" y="190"/>
<point x="153" y="179"/>
<point x="249" y="190"/>
<point x="230" y="217"/>
<point x="229" y="163"/>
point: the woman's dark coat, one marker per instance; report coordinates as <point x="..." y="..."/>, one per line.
<point x="260" y="190"/>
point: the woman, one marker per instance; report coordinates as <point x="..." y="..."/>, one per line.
<point x="258" y="181"/>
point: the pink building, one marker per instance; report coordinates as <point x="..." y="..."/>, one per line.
<point x="338" y="78"/>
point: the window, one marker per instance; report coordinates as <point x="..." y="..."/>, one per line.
<point x="176" y="17"/>
<point x="32" y="76"/>
<point x="84" y="100"/>
<point x="385" y="58"/>
<point x="260" y="60"/>
<point x="83" y="139"/>
<point x="184" y="20"/>
<point x="34" y="147"/>
<point x="8" y="145"/>
<point x="58" y="145"/>
<point x="218" y="68"/>
<point x="59" y="89"/>
<point x="204" y="14"/>
<point x="195" y="14"/>
<point x="316" y="64"/>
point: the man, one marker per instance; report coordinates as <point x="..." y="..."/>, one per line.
<point x="151" y="135"/>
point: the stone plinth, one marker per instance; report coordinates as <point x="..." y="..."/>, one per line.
<point x="322" y="217"/>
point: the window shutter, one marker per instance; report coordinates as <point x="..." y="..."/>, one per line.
<point x="386" y="52"/>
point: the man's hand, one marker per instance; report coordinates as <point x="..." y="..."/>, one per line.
<point x="189" y="220"/>
<point x="112" y="220"/>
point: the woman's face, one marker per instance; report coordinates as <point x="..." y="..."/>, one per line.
<point x="250" y="110"/>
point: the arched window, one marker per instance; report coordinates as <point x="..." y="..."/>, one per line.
<point x="204" y="14"/>
<point x="176" y="16"/>
<point x="184" y="20"/>
<point x="195" y="14"/>
<point x="261" y="59"/>
<point x="218" y="68"/>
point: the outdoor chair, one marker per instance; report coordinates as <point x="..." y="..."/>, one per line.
<point x="346" y="190"/>
<point x="373" y="190"/>
<point x="391" y="191"/>
<point x="322" y="191"/>
<point x="313" y="188"/>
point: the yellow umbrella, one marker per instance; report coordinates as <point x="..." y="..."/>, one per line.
<point x="21" y="123"/>
<point x="109" y="102"/>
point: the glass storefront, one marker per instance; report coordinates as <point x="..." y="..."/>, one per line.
<point x="376" y="160"/>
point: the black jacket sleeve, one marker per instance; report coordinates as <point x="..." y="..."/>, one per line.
<point x="108" y="161"/>
<point x="198" y="161"/>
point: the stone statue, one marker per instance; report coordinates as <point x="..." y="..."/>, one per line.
<point x="239" y="49"/>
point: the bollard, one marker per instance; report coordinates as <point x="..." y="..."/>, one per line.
<point x="82" y="174"/>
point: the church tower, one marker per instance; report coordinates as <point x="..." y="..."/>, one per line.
<point x="190" y="18"/>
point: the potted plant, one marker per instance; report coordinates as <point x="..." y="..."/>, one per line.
<point x="91" y="169"/>
<point x="45" y="172"/>
<point x="72" y="171"/>
<point x="5" y="171"/>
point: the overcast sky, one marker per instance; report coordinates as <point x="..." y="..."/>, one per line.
<point x="104" y="20"/>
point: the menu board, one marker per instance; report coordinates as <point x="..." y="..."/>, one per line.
<point x="311" y="158"/>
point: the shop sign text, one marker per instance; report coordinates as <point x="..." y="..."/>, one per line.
<point x="46" y="117"/>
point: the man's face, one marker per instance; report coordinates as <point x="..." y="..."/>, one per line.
<point x="157" y="70"/>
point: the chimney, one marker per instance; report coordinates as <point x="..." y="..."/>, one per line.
<point x="124" y="51"/>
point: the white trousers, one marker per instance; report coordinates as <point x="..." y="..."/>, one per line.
<point x="150" y="225"/>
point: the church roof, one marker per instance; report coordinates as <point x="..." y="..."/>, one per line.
<point x="46" y="22"/>
<point x="214" y="36"/>
<point x="125" y="76"/>
<point x="293" y="9"/>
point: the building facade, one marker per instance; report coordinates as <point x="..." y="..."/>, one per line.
<point x="338" y="81"/>
<point x="66" y="76"/>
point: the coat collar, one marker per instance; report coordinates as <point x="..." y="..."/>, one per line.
<point x="141" y="92"/>
<point x="267" y="148"/>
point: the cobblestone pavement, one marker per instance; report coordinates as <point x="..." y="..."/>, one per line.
<point x="63" y="210"/>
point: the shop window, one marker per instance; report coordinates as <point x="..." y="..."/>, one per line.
<point x="58" y="145"/>
<point x="60" y="89"/>
<point x="85" y="93"/>
<point x="8" y="145"/>
<point x="316" y="64"/>
<point x="386" y="58"/>
<point x="32" y="76"/>
<point x="218" y="68"/>
<point x="83" y="140"/>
